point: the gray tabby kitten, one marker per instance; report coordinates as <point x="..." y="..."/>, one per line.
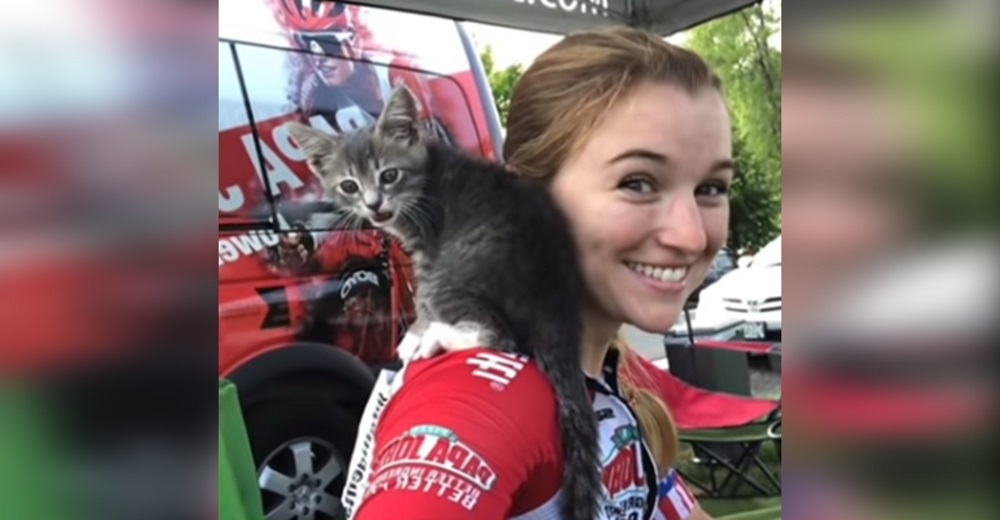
<point x="493" y="255"/>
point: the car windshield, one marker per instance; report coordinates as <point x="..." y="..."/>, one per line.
<point x="723" y="261"/>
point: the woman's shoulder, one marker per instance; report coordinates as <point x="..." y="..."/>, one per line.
<point x="507" y="380"/>
<point x="463" y="437"/>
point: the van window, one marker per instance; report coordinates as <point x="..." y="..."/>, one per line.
<point x="335" y="95"/>
<point x="241" y="197"/>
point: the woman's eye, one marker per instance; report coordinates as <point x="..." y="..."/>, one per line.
<point x="389" y="176"/>
<point x="712" y="189"/>
<point x="349" y="187"/>
<point x="637" y="184"/>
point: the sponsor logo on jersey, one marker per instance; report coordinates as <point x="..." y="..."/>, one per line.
<point x="622" y="473"/>
<point x="439" y="448"/>
<point x="442" y="484"/>
<point x="499" y="368"/>
<point x="433" y="460"/>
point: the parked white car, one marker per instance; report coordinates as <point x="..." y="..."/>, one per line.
<point x="750" y="294"/>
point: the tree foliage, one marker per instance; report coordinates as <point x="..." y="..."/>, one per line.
<point x="737" y="47"/>
<point x="754" y="202"/>
<point x="501" y="82"/>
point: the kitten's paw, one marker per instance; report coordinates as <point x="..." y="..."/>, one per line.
<point x="441" y="337"/>
<point x="409" y="346"/>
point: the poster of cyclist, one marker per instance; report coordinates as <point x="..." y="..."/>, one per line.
<point x="332" y="66"/>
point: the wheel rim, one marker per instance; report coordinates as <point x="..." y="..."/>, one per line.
<point x="296" y="481"/>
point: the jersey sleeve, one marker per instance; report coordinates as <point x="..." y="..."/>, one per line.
<point x="675" y="501"/>
<point x="469" y="435"/>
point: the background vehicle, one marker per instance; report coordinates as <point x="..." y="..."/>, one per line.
<point x="751" y="294"/>
<point x="309" y="308"/>
<point x="722" y="264"/>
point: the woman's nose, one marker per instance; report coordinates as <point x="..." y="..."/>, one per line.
<point x="680" y="225"/>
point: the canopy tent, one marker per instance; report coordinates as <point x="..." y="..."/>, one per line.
<point x="562" y="16"/>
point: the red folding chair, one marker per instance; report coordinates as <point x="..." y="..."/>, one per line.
<point x="726" y="432"/>
<point x="696" y="408"/>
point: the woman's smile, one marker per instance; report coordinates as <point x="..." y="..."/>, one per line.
<point x="665" y="279"/>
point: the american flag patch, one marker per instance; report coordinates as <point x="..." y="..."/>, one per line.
<point x="674" y="501"/>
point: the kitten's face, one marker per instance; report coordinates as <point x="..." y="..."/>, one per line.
<point x="376" y="173"/>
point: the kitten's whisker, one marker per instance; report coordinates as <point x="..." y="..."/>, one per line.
<point x="351" y="227"/>
<point x="340" y="216"/>
<point x="326" y="221"/>
<point x="419" y="216"/>
<point x="357" y="225"/>
<point x="421" y="222"/>
<point x="431" y="202"/>
<point x="422" y="214"/>
<point x="407" y="212"/>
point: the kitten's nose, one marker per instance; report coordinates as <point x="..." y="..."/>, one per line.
<point x="373" y="201"/>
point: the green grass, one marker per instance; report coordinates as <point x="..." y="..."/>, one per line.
<point x="733" y="508"/>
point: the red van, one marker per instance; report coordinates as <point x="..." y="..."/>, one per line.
<point x="309" y="307"/>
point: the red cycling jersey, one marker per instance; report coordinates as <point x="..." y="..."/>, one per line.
<point x="474" y="434"/>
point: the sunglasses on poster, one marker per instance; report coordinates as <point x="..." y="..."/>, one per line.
<point x="329" y="42"/>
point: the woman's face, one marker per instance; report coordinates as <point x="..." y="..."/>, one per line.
<point x="647" y="198"/>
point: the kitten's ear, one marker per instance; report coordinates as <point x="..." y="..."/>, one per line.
<point x="400" y="120"/>
<point x="312" y="142"/>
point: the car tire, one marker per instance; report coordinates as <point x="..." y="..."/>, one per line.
<point x="302" y="433"/>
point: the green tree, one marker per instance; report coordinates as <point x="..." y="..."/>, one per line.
<point x="737" y="47"/>
<point x="501" y="82"/>
<point x="754" y="202"/>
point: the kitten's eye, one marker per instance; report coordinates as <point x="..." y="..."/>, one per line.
<point x="349" y="187"/>
<point x="389" y="176"/>
<point x="638" y="184"/>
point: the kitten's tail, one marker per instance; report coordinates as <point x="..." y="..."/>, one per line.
<point x="581" y="485"/>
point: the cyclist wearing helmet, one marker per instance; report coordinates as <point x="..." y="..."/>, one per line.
<point x="333" y="79"/>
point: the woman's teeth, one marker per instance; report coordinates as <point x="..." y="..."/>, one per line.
<point x="663" y="274"/>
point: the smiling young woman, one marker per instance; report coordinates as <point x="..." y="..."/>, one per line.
<point x="632" y="136"/>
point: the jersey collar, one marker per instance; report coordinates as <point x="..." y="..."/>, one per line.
<point x="608" y="383"/>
